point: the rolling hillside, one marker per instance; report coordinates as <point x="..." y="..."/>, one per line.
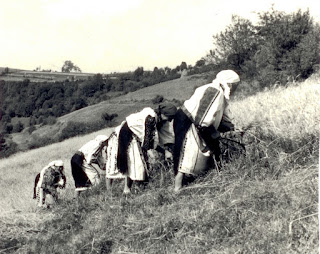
<point x="264" y="202"/>
<point x="179" y="89"/>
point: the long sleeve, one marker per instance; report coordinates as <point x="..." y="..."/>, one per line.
<point x="141" y="124"/>
<point x="206" y="105"/>
<point x="150" y="131"/>
<point x="226" y="121"/>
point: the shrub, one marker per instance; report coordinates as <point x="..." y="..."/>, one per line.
<point x="51" y="120"/>
<point x="7" y="128"/>
<point x="37" y="142"/>
<point x="18" y="127"/>
<point x="157" y="99"/>
<point x="31" y="129"/>
<point x="7" y="147"/>
<point x="73" y="128"/>
<point x="108" y="118"/>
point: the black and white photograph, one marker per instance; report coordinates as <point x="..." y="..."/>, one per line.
<point x="159" y="126"/>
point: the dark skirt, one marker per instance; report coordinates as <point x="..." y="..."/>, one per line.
<point x="79" y="176"/>
<point x="125" y="137"/>
<point x="181" y="126"/>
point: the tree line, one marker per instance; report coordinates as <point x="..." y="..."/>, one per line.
<point x="42" y="102"/>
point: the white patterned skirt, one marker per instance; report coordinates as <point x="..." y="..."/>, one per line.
<point x="194" y="159"/>
<point x="137" y="167"/>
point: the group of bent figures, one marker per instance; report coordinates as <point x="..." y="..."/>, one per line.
<point x="188" y="135"/>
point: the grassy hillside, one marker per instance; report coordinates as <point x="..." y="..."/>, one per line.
<point x="265" y="202"/>
<point x="124" y="105"/>
<point x="180" y="89"/>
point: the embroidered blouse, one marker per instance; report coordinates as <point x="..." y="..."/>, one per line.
<point x="208" y="105"/>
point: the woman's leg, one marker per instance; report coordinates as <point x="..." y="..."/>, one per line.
<point x="41" y="197"/>
<point x="178" y="181"/>
<point x="127" y="185"/>
<point x="109" y="183"/>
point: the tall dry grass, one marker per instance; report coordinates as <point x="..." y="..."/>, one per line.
<point x="18" y="173"/>
<point x="264" y="202"/>
<point x="291" y="111"/>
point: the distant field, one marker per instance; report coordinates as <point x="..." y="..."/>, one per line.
<point x="41" y="76"/>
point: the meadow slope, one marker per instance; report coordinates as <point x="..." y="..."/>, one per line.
<point x="264" y="202"/>
<point x="179" y="89"/>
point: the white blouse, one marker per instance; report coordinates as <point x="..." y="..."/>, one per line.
<point x="208" y="105"/>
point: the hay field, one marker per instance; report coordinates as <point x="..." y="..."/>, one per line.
<point x="266" y="202"/>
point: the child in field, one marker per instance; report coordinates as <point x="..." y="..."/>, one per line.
<point x="48" y="180"/>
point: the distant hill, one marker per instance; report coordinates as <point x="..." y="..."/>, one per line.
<point x="40" y="76"/>
<point x="178" y="89"/>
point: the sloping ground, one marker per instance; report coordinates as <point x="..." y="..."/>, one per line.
<point x="265" y="202"/>
<point x="179" y="89"/>
<point x="91" y="114"/>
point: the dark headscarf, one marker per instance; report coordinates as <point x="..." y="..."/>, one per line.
<point x="168" y="109"/>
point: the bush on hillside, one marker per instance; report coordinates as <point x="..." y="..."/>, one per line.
<point x="157" y="99"/>
<point x="18" y="127"/>
<point x="31" y="129"/>
<point x="7" y="128"/>
<point x="7" y="147"/>
<point x="37" y="141"/>
<point x="107" y="117"/>
<point x="74" y="128"/>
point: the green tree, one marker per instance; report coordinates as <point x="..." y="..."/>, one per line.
<point x="7" y="147"/>
<point x="236" y="45"/>
<point x="69" y="66"/>
<point x="98" y="79"/>
<point x="18" y="127"/>
<point x="292" y="42"/>
<point x="138" y="74"/>
<point x="279" y="48"/>
<point x="309" y="51"/>
<point x="200" y="63"/>
<point x="183" y="66"/>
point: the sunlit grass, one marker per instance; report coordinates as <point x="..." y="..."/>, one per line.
<point x="265" y="202"/>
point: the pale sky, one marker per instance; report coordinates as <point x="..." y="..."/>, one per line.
<point x="103" y="36"/>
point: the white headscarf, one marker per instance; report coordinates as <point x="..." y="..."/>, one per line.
<point x="227" y="76"/>
<point x="57" y="163"/>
